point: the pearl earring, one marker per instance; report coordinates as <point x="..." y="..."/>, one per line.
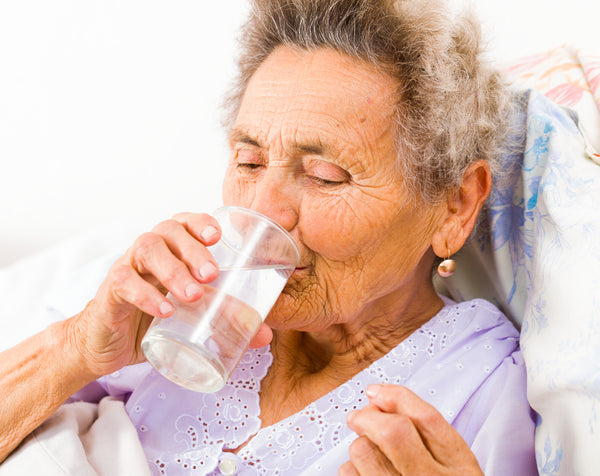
<point x="447" y="267"/>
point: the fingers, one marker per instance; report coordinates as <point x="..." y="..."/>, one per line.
<point x="438" y="436"/>
<point x="202" y="226"/>
<point x="412" y="434"/>
<point x="263" y="337"/>
<point x="366" y="458"/>
<point x="348" y="469"/>
<point x="152" y="259"/>
<point x="174" y="258"/>
<point x="395" y="437"/>
<point x="187" y="235"/>
<point x="128" y="287"/>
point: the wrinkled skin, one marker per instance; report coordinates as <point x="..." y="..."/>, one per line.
<point x="321" y="160"/>
<point x="172" y="257"/>
<point x="313" y="147"/>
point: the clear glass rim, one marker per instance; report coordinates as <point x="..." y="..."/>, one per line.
<point x="272" y="222"/>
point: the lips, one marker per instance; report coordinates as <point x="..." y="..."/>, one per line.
<point x="304" y="266"/>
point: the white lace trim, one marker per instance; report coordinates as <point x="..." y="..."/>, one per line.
<point x="210" y="424"/>
<point x="295" y="442"/>
<point x="226" y="419"/>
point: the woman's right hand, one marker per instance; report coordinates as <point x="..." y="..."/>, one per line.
<point x="39" y="374"/>
<point x="172" y="257"/>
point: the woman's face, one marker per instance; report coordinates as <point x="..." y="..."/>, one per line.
<point x="313" y="148"/>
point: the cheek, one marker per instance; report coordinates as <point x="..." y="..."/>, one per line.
<point x="235" y="192"/>
<point x="331" y="232"/>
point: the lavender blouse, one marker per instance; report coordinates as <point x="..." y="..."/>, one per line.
<point x="465" y="361"/>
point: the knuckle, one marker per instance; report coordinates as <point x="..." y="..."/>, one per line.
<point x="429" y="417"/>
<point x="144" y="301"/>
<point x="390" y="432"/>
<point x="171" y="275"/>
<point x="146" y="244"/>
<point x="119" y="284"/>
<point x="167" y="226"/>
<point x="391" y="394"/>
<point x="173" y="272"/>
<point x="182" y="217"/>
<point x="399" y="429"/>
<point x="119" y="275"/>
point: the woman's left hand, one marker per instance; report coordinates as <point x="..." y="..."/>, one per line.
<point x="398" y="433"/>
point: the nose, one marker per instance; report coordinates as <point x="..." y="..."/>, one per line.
<point x="278" y="198"/>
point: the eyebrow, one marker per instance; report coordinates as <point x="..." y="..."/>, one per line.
<point x="238" y="135"/>
<point x="313" y="148"/>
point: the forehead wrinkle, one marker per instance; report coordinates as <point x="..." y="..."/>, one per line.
<point x="344" y="134"/>
<point x="282" y="111"/>
<point x="309" y="128"/>
<point x="280" y="137"/>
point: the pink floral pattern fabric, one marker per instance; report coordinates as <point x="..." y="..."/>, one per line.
<point x="569" y="77"/>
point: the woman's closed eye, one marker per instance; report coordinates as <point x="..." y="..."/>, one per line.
<point x="248" y="165"/>
<point x="324" y="173"/>
<point x="326" y="182"/>
<point x="248" y="161"/>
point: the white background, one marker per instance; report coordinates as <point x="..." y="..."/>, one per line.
<point x="109" y="109"/>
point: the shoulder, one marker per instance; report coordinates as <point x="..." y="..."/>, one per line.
<point x="477" y="305"/>
<point x="448" y="359"/>
<point x="496" y="419"/>
<point x="478" y="317"/>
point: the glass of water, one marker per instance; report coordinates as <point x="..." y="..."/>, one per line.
<point x="202" y="342"/>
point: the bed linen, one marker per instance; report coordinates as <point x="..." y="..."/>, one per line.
<point x="81" y="439"/>
<point x="470" y="342"/>
<point x="536" y="253"/>
<point x="560" y="326"/>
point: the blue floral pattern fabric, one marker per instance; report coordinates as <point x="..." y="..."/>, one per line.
<point x="536" y="255"/>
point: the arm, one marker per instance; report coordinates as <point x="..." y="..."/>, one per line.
<point x="36" y="377"/>
<point x="41" y="373"/>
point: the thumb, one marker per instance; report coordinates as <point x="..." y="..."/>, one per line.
<point x="263" y="337"/>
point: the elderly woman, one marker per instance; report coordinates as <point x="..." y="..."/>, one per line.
<point x="368" y="129"/>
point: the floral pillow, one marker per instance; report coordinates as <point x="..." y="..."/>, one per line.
<point x="536" y="254"/>
<point x="568" y="77"/>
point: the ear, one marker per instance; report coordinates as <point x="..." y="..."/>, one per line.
<point x="463" y="207"/>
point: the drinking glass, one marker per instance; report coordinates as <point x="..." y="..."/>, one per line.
<point x="201" y="343"/>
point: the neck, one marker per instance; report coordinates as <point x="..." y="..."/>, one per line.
<point x="308" y="365"/>
<point x="345" y="349"/>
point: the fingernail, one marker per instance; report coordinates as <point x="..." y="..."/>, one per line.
<point x="207" y="269"/>
<point x="350" y="417"/>
<point x="192" y="289"/>
<point x="372" y="391"/>
<point x="165" y="308"/>
<point x="208" y="232"/>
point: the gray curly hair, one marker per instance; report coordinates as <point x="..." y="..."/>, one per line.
<point x="452" y="108"/>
